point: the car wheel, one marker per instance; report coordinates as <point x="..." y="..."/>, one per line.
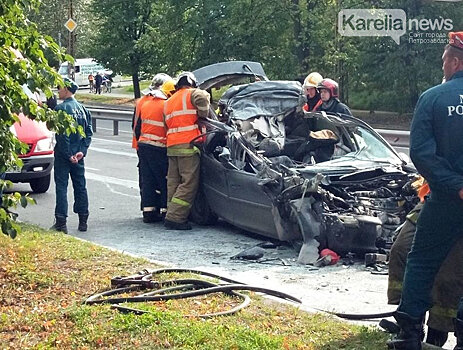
<point x="41" y="184"/>
<point x="201" y="213"/>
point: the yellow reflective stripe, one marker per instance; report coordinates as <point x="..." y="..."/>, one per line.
<point x="173" y="152"/>
<point x="154" y="143"/>
<point x="182" y="112"/>
<point x="413" y="217"/>
<point x="152" y="137"/>
<point x="180" y="202"/>
<point x="153" y="122"/>
<point x="444" y="311"/>
<point x="394" y="285"/>
<point x="182" y="128"/>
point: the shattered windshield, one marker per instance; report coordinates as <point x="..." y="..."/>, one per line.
<point x="369" y="147"/>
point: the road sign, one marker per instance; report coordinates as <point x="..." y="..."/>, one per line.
<point x="70" y="25"/>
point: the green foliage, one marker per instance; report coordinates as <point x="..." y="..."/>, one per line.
<point x="22" y="62"/>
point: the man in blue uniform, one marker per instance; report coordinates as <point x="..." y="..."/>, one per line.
<point x="436" y="148"/>
<point x="69" y="159"/>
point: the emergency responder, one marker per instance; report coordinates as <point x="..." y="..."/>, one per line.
<point x="448" y="286"/>
<point x="70" y="151"/>
<point x="181" y="114"/>
<point x="329" y="94"/>
<point x="436" y="146"/>
<point x="311" y="92"/>
<point x="150" y="137"/>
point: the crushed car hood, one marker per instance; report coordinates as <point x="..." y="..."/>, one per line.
<point x="224" y="73"/>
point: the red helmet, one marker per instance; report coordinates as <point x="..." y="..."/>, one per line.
<point x="330" y="85"/>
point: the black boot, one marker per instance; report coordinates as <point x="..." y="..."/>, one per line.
<point x="83" y="222"/>
<point x="151" y="216"/>
<point x="458" y="334"/>
<point x="60" y="224"/>
<point x="436" y="337"/>
<point x="172" y="225"/>
<point x="410" y="335"/>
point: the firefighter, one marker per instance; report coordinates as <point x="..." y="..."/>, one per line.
<point x="311" y="92"/>
<point x="150" y="138"/>
<point x="329" y="94"/>
<point x="181" y="114"/>
<point x="435" y="149"/>
<point x="448" y="286"/>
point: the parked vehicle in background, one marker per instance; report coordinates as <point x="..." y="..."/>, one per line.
<point x="38" y="159"/>
<point x="83" y="67"/>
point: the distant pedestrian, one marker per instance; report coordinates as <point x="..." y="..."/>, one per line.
<point x="91" y="79"/>
<point x="70" y="151"/>
<point x="181" y="113"/>
<point x="98" y="83"/>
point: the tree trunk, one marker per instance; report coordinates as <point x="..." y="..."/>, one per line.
<point x="136" y="85"/>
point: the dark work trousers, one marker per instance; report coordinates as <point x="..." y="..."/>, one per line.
<point x="62" y="169"/>
<point x="448" y="284"/>
<point x="439" y="227"/>
<point x="140" y="180"/>
<point x="153" y="171"/>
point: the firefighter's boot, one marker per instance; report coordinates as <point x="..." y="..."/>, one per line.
<point x="458" y="334"/>
<point x="83" y="222"/>
<point x="60" y="224"/>
<point x="436" y="337"/>
<point x="410" y="335"/>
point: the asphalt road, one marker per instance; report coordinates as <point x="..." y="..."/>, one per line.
<point x="115" y="222"/>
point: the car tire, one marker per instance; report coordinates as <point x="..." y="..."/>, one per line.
<point x="201" y="213"/>
<point x="41" y="184"/>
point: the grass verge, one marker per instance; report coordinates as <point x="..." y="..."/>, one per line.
<point x="45" y="276"/>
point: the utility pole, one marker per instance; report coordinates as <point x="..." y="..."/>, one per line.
<point x="71" y="43"/>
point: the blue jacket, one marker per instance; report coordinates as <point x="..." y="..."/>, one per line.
<point x="67" y="146"/>
<point x="436" y="137"/>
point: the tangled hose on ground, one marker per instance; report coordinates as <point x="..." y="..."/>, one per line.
<point x="191" y="287"/>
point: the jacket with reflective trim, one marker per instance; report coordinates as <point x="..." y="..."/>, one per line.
<point x="152" y="121"/>
<point x="180" y="116"/>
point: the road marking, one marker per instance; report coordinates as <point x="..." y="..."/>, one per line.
<point x="111" y="141"/>
<point x="94" y="169"/>
<point x="108" y="181"/>
<point x="102" y="150"/>
<point x="112" y="180"/>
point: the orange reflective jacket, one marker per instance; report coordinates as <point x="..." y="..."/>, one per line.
<point x="181" y="118"/>
<point x="152" y="122"/>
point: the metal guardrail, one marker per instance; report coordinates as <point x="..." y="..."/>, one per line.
<point x="116" y="115"/>
<point x="396" y="138"/>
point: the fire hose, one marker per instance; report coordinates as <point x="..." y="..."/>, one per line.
<point x="192" y="287"/>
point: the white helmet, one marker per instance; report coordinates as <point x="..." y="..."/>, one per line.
<point x="158" y="80"/>
<point x="312" y="80"/>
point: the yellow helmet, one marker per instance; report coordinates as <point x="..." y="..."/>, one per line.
<point x="168" y="88"/>
<point x="312" y="80"/>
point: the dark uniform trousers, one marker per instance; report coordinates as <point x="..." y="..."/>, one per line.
<point x="182" y="185"/>
<point x="153" y="172"/>
<point x="62" y="169"/>
<point x="448" y="285"/>
<point x="439" y="228"/>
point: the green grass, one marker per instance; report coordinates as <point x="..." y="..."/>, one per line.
<point x="45" y="276"/>
<point x="129" y="89"/>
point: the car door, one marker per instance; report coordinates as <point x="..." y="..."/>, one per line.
<point x="250" y="205"/>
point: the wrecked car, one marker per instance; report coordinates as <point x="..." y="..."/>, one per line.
<point x="267" y="166"/>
